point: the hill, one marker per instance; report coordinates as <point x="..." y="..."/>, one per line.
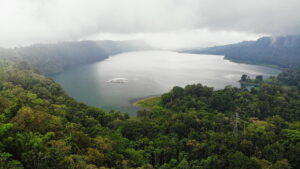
<point x="283" y="52"/>
<point x="53" y="58"/>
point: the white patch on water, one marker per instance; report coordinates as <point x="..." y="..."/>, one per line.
<point x="118" y="80"/>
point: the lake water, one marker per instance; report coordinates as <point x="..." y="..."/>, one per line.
<point x="115" y="82"/>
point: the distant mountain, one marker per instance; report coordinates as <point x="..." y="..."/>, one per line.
<point x="282" y="51"/>
<point x="53" y="58"/>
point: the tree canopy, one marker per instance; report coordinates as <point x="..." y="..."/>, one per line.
<point x="195" y="127"/>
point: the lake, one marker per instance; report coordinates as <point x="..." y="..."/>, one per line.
<point x="115" y="82"/>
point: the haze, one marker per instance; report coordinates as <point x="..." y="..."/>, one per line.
<point x="169" y="24"/>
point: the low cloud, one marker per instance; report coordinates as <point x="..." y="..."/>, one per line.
<point x="33" y="21"/>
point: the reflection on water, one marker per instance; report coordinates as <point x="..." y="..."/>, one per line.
<point x="139" y="74"/>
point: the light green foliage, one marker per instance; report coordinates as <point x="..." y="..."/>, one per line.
<point x="4" y="128"/>
<point x="148" y="102"/>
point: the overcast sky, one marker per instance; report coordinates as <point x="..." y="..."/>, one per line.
<point x="161" y="23"/>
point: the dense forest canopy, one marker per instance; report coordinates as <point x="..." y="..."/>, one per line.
<point x="280" y="51"/>
<point x="194" y="127"/>
<point x="253" y="126"/>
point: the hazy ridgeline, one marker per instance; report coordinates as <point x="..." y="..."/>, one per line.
<point x="282" y="51"/>
<point x="54" y="58"/>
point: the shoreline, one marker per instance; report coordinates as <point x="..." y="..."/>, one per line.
<point x="147" y="102"/>
<point x="136" y="100"/>
<point x="250" y="63"/>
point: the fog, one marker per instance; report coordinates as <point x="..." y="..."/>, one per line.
<point x="161" y="23"/>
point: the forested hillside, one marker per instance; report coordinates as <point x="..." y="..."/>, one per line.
<point x="281" y="51"/>
<point x="53" y="58"/>
<point x="194" y="127"/>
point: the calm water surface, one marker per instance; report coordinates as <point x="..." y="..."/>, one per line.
<point x="149" y="73"/>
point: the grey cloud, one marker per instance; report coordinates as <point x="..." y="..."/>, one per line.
<point x="28" y="21"/>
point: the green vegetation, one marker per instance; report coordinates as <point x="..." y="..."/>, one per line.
<point x="247" y="82"/>
<point x="194" y="127"/>
<point x="290" y="78"/>
<point x="149" y="102"/>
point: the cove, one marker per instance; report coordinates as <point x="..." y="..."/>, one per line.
<point x="115" y="82"/>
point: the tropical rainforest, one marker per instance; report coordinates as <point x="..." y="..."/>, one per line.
<point x="195" y="127"/>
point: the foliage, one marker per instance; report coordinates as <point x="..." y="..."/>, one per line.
<point x="192" y="127"/>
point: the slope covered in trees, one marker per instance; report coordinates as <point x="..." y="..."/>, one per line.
<point x="194" y="127"/>
<point x="282" y="51"/>
<point x="53" y="58"/>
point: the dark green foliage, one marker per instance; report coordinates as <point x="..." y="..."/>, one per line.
<point x="42" y="127"/>
<point x="290" y="77"/>
<point x="259" y="78"/>
<point x="268" y="100"/>
<point x="187" y="128"/>
<point x="244" y="78"/>
<point x="238" y="160"/>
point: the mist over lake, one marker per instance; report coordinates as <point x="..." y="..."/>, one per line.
<point x="115" y="82"/>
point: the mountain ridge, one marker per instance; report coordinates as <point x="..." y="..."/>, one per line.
<point x="56" y="57"/>
<point x="283" y="51"/>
